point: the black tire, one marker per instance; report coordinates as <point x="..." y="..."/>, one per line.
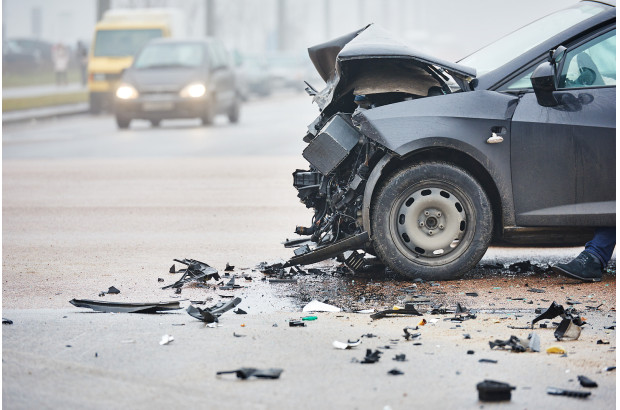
<point x="122" y="122"/>
<point x="235" y="111"/>
<point x="209" y="113"/>
<point x="155" y="123"/>
<point x="431" y="221"/>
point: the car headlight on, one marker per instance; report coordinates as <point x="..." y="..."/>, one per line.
<point x="126" y="92"/>
<point x="194" y="90"/>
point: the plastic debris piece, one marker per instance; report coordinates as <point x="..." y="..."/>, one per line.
<point x="124" y="307"/>
<point x="610" y="368"/>
<point x="534" y="343"/>
<point x="491" y="390"/>
<point x="229" y="267"/>
<point x="556" y="349"/>
<point x="247" y="372"/>
<point x="536" y="290"/>
<point x="487" y="361"/>
<point x="602" y="342"/>
<point x="514" y="343"/>
<point x="586" y="381"/>
<point x="113" y="291"/>
<point x="365" y="311"/>
<point x="408" y="335"/>
<point x="400" y="358"/>
<point x="195" y="271"/>
<point x="165" y="339"/>
<point x="309" y="318"/>
<point x="473" y="294"/>
<point x="470" y="352"/>
<point x="422" y="322"/>
<point x="567" y="330"/>
<point x="212" y="314"/>
<point x="238" y="335"/>
<point x="369" y="335"/>
<point x="296" y="323"/>
<point x="466" y="336"/>
<point x="395" y="372"/>
<point x="240" y="311"/>
<point x="316" y="306"/>
<point x="230" y="285"/>
<point x="371" y="357"/>
<point x="6" y="321"/>
<point x="349" y="344"/>
<point x="433" y="321"/>
<point x="172" y="269"/>
<point x="570" y="393"/>
<point x="554" y="310"/>
<point x="101" y="294"/>
<point x="160" y="279"/>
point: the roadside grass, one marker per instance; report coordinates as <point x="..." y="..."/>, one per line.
<point x="25" y="103"/>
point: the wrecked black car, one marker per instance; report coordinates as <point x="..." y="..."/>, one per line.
<point x="424" y="162"/>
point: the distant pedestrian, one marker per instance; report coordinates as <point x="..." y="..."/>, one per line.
<point x="82" y="59"/>
<point x="60" y="57"/>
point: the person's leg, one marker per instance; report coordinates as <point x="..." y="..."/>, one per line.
<point x="603" y="244"/>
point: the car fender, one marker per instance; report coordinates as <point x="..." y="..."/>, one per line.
<point x="460" y="123"/>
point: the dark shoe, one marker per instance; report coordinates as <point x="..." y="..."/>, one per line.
<point x="585" y="267"/>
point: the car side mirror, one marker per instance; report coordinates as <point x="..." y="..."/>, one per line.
<point x="544" y="78"/>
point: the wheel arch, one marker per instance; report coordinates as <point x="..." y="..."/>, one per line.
<point x="390" y="164"/>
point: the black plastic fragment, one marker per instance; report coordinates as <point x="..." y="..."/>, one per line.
<point x="395" y="372"/>
<point x="230" y="285"/>
<point x="586" y="381"/>
<point x="229" y="267"/>
<point x="297" y="323"/>
<point x="400" y="358"/>
<point x="212" y="314"/>
<point x="536" y="290"/>
<point x="553" y="311"/>
<point x="195" y="271"/>
<point x="113" y="291"/>
<point x="160" y="279"/>
<point x="124" y="307"/>
<point x="487" y="361"/>
<point x="371" y="357"/>
<point x="570" y="393"/>
<point x="408" y="310"/>
<point x="491" y="390"/>
<point x="240" y="311"/>
<point x="247" y="372"/>
<point x="6" y="321"/>
<point x="602" y="342"/>
<point x="514" y="343"/>
<point x="172" y="269"/>
<point x="474" y="294"/>
<point x="408" y="335"/>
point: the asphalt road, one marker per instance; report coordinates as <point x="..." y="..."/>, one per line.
<point x="86" y="206"/>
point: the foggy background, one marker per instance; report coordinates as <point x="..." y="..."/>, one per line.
<point x="447" y="29"/>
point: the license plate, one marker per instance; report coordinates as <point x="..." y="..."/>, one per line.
<point x="158" y="106"/>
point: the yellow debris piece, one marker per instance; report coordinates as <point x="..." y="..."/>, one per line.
<point x="556" y="349"/>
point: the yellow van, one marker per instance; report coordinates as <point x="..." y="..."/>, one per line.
<point x="119" y="36"/>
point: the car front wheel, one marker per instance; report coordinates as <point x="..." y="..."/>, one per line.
<point x="431" y="221"/>
<point x="122" y="121"/>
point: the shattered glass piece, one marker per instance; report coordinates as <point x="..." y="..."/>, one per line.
<point x="586" y="381"/>
<point x="491" y="390"/>
<point x="113" y="291"/>
<point x="567" y="330"/>
<point x="247" y="372"/>
<point x="165" y="339"/>
<point x="371" y="357"/>
<point x="395" y="372"/>
<point x="570" y="393"/>
<point x="316" y="306"/>
<point x="124" y="307"/>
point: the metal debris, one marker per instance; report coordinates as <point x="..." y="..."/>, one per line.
<point x="195" y="271"/>
<point x="247" y="372"/>
<point x="212" y="314"/>
<point x="570" y="393"/>
<point x="125" y="307"/>
<point x="228" y="267"/>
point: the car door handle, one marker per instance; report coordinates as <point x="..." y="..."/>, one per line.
<point x="495" y="139"/>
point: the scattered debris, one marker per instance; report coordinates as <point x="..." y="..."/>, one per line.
<point x="409" y="335"/>
<point x="473" y="294"/>
<point x="570" y="393"/>
<point x="371" y="357"/>
<point x="470" y="352"/>
<point x="195" y="271"/>
<point x="349" y="344"/>
<point x="536" y="290"/>
<point x="229" y="267"/>
<point x="160" y="279"/>
<point x="212" y="314"/>
<point x="395" y="372"/>
<point x="113" y="291"/>
<point x="534" y="342"/>
<point x="487" y="361"/>
<point x="369" y="335"/>
<point x="422" y="322"/>
<point x="237" y="335"/>
<point x="296" y="323"/>
<point x="491" y="390"/>
<point x="165" y="339"/>
<point x="586" y="381"/>
<point x="172" y="269"/>
<point x="610" y="368"/>
<point x="602" y="342"/>
<point x="247" y="372"/>
<point x="309" y="318"/>
<point x="6" y="321"/>
<point x="400" y="358"/>
<point x="230" y="285"/>
<point x="125" y="307"/>
<point x="567" y="330"/>
<point x="556" y="349"/>
<point x="408" y="310"/>
<point x="316" y="306"/>
<point x="514" y="343"/>
<point x="466" y="336"/>
<point x="240" y="311"/>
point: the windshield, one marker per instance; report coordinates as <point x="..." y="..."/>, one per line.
<point x="518" y="42"/>
<point x="122" y="43"/>
<point x="170" y="55"/>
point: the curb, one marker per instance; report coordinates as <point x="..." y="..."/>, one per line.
<point x="12" y="117"/>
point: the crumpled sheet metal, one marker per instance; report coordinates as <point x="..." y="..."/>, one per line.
<point x="247" y="372"/>
<point x="125" y="307"/>
<point x="212" y="314"/>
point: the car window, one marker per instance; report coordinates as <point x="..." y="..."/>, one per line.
<point x="170" y="55"/>
<point x="521" y="82"/>
<point x="518" y="42"/>
<point x="591" y="64"/>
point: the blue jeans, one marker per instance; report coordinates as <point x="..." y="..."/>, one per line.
<point x="603" y="244"/>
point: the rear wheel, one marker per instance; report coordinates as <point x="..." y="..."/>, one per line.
<point x="234" y="111"/>
<point x="122" y="122"/>
<point x="431" y="221"/>
<point x="209" y="112"/>
<point x="155" y="123"/>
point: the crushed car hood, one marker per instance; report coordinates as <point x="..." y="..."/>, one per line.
<point x="336" y="60"/>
